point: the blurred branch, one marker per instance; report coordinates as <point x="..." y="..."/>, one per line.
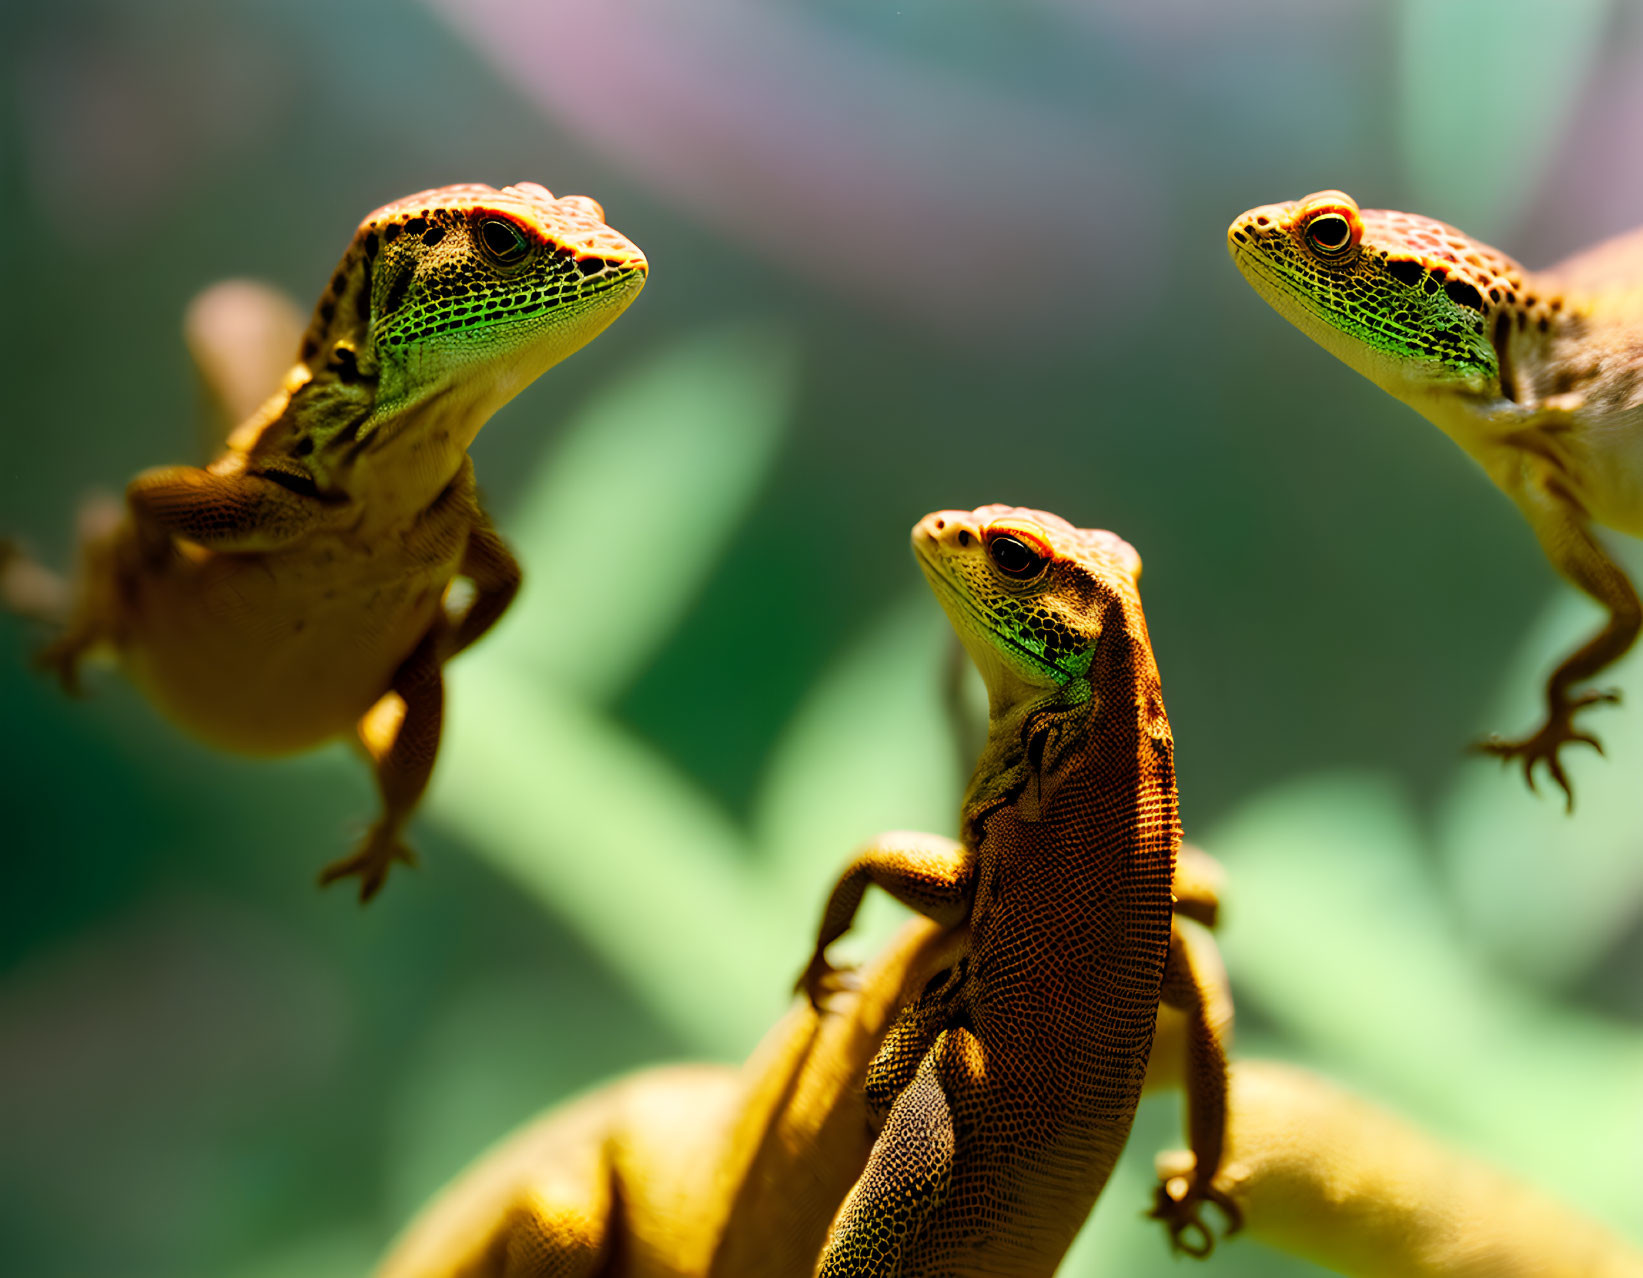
<point x="1338" y="934"/>
<point x="1328" y="1176"/>
<point x="742" y="1170"/>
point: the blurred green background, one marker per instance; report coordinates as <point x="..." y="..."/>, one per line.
<point x="903" y="257"/>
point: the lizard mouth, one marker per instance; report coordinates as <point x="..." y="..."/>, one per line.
<point x="1269" y="282"/>
<point x="949" y="592"/>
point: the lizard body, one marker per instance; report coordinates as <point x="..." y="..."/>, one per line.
<point x="295" y="589"/>
<point x="1007" y="1089"/>
<point x="713" y="1172"/>
<point x="1537" y="375"/>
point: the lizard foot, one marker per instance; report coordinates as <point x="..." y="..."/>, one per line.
<point x="371" y="863"/>
<point x="821" y="982"/>
<point x="1542" y="745"/>
<point x="62" y="663"/>
<point x="61" y="660"/>
<point x="1177" y="1201"/>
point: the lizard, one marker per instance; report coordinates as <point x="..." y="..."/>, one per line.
<point x="1537" y="375"/>
<point x="297" y="588"/>
<point x="725" y="1172"/>
<point x="1005" y="1092"/>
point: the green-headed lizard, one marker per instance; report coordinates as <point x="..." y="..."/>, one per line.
<point x="1537" y="375"/>
<point x="295" y="589"/>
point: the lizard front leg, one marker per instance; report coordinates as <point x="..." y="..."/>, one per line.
<point x="224" y="512"/>
<point x="1560" y="524"/>
<point x="97" y="608"/>
<point x="401" y="732"/>
<point x="908" y="1042"/>
<point x="85" y="614"/>
<point x="1195" y="982"/>
<point x="910" y="1168"/>
<point x="236" y="512"/>
<point x="401" y="735"/>
<point x="925" y="872"/>
<point x="490" y="565"/>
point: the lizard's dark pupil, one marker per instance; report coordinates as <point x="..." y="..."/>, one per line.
<point x="1014" y="558"/>
<point x="1328" y="234"/>
<point x="502" y="239"/>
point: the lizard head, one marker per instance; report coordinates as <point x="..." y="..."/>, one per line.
<point x="446" y="305"/>
<point x="1414" y="305"/>
<point x="1029" y="596"/>
<point x="1051" y="615"/>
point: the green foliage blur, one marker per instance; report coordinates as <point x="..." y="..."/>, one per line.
<point x="725" y="670"/>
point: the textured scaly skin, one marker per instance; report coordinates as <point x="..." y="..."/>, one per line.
<point x="714" y="1172"/>
<point x="1537" y="375"/>
<point x="702" y="1170"/>
<point x="1006" y="1091"/>
<point x="294" y="589"/>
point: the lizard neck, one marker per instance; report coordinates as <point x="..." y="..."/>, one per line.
<point x="1556" y="351"/>
<point x="1088" y="771"/>
<point x="389" y="465"/>
<point x="1072" y="902"/>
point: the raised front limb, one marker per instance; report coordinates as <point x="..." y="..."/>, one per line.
<point x="911" y="1167"/>
<point x="925" y="872"/>
<point x="904" y="1050"/>
<point x="1196" y="983"/>
<point x="401" y="735"/>
<point x="92" y="610"/>
<point x="1560" y="523"/>
<point x="231" y="512"/>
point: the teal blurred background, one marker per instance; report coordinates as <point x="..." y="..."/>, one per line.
<point x="903" y="257"/>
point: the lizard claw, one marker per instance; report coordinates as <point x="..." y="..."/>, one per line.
<point x="1542" y="745"/>
<point x="1177" y="1201"/>
<point x="371" y="863"/>
<point x="821" y="982"/>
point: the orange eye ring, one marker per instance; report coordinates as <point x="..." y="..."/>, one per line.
<point x="1018" y="557"/>
<point x="1331" y="232"/>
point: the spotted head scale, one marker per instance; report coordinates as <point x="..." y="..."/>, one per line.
<point x="1028" y="593"/>
<point x="1412" y="303"/>
<point x="451" y="300"/>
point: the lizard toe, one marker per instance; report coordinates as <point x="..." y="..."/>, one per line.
<point x="1541" y="747"/>
<point x="1178" y="1201"/>
<point x="382" y="847"/>
<point x="822" y="983"/>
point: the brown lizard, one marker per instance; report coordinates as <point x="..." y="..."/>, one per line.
<point x="701" y="1170"/>
<point x="295" y="589"/>
<point x="714" y="1171"/>
<point x="1007" y="1089"/>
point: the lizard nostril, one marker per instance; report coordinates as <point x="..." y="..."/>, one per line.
<point x="940" y="524"/>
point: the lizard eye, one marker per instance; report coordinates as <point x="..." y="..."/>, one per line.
<point x="1329" y="235"/>
<point x="502" y="241"/>
<point x="1015" y="558"/>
